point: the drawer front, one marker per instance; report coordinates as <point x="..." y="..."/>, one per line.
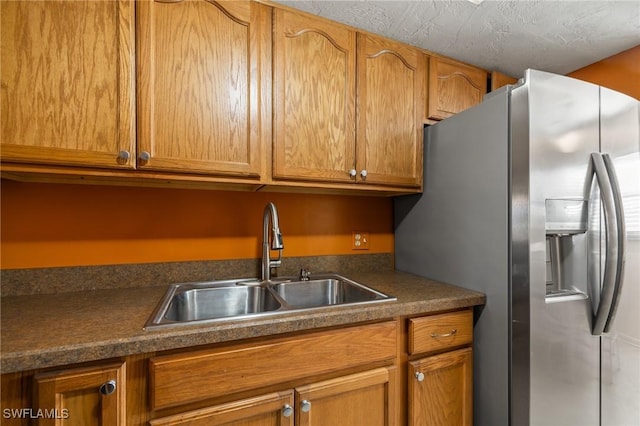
<point x="198" y="375"/>
<point x="438" y="332"/>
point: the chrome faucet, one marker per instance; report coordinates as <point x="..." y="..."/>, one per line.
<point x="270" y="211"/>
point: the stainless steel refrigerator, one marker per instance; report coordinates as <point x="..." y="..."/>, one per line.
<point x="533" y="197"/>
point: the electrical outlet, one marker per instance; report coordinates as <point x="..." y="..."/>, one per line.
<point x="360" y="241"/>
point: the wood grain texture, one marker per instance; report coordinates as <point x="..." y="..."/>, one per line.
<point x="359" y="399"/>
<point x="498" y="80"/>
<point x="137" y="390"/>
<point x="200" y="98"/>
<point x="435" y="332"/>
<point x="445" y="396"/>
<point x="67" y="79"/>
<point x="314" y="98"/>
<point x="391" y="91"/>
<point x="14" y="395"/>
<point x="263" y="410"/>
<point x="453" y="87"/>
<point x="183" y="378"/>
<point x="76" y="393"/>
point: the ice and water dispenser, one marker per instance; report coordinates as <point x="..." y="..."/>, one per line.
<point x="566" y="228"/>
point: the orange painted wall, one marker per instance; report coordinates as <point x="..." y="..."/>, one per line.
<point x="619" y="72"/>
<point x="47" y="225"/>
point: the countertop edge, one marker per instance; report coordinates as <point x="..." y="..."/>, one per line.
<point x="182" y="337"/>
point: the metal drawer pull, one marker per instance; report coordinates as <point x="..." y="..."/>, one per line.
<point x="449" y="334"/>
<point x="420" y="376"/>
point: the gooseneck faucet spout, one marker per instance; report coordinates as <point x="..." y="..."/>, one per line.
<point x="270" y="212"/>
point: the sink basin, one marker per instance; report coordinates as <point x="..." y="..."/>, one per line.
<point x="325" y="292"/>
<point x="220" y="302"/>
<point x="240" y="298"/>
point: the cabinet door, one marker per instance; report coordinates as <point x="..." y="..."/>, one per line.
<point x="441" y="389"/>
<point x="391" y="92"/>
<point x="67" y="79"/>
<point x="454" y="87"/>
<point x="274" y="409"/>
<point x="358" y="399"/>
<point x="314" y="90"/>
<point x="82" y="397"/>
<point x="203" y="81"/>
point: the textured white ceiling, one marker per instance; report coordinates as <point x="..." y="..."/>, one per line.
<point x="505" y="35"/>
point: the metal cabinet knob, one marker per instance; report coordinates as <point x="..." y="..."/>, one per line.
<point x="305" y="406"/>
<point x="353" y="173"/>
<point x="145" y="156"/>
<point x="108" y="388"/>
<point x="124" y="156"/>
<point x="419" y="376"/>
<point x="287" y="410"/>
<point x="363" y="174"/>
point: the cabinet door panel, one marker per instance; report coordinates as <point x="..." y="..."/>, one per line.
<point x="200" y="97"/>
<point x="75" y="397"/>
<point x="391" y="79"/>
<point x="358" y="399"/>
<point x="454" y="87"/>
<point x="265" y="410"/>
<point x="444" y="396"/>
<point x="314" y="89"/>
<point x="67" y="82"/>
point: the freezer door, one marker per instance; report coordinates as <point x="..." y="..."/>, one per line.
<point x="620" y="138"/>
<point x="565" y="356"/>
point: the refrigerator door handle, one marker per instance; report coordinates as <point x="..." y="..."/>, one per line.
<point x="612" y="255"/>
<point x="622" y="239"/>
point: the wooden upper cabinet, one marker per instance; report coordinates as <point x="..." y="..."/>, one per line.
<point x="498" y="80"/>
<point x="203" y="86"/>
<point x="391" y="97"/>
<point x="83" y="396"/>
<point x="67" y="82"/>
<point x="314" y="98"/>
<point x="453" y="87"/>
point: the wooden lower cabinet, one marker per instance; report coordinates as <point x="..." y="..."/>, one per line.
<point x="357" y="399"/>
<point x="415" y="371"/>
<point x="82" y="396"/>
<point x="441" y="389"/>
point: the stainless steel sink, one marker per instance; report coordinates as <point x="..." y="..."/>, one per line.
<point x="201" y="302"/>
<point x="325" y="292"/>
<point x="220" y="302"/>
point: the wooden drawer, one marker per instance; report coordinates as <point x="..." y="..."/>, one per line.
<point x="438" y="332"/>
<point x="198" y="375"/>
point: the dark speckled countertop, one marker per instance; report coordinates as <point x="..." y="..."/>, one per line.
<point x="47" y="330"/>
